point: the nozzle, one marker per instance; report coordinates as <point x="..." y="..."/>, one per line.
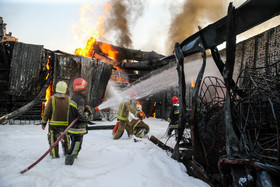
<point x="96" y="109"/>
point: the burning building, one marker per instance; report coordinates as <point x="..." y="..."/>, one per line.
<point x="228" y="128"/>
<point x="28" y="73"/>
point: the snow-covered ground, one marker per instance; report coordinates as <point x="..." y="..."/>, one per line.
<point x="102" y="162"/>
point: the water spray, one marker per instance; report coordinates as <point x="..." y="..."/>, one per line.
<point x="156" y="83"/>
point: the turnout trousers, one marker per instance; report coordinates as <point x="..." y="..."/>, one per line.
<point x="54" y="133"/>
<point x="123" y="125"/>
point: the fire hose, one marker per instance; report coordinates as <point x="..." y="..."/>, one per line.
<point x="49" y="150"/>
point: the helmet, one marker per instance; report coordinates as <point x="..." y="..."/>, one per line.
<point x="79" y="84"/>
<point x="61" y="87"/>
<point x="139" y="107"/>
<point x="175" y="99"/>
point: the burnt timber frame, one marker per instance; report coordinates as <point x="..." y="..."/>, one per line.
<point x="248" y="15"/>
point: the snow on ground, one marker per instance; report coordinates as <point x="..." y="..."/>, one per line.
<point x="102" y="162"/>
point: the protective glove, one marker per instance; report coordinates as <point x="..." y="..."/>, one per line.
<point x="87" y="115"/>
<point x="88" y="109"/>
<point x="141" y="115"/>
<point x="44" y="126"/>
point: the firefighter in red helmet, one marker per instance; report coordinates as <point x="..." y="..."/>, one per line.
<point x="123" y="113"/>
<point x="173" y="116"/>
<point x="78" y="109"/>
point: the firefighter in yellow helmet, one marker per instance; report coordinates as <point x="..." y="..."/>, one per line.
<point x="122" y="116"/>
<point x="57" y="111"/>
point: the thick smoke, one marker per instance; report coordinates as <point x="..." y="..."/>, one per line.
<point x="195" y="13"/>
<point x="122" y="15"/>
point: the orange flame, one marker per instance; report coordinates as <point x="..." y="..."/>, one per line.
<point x="48" y="94"/>
<point x="154" y="114"/>
<point x="96" y="31"/>
<point x="104" y="47"/>
<point x="48" y="91"/>
<point x="117" y="68"/>
<point x="108" y="50"/>
<point x="192" y="83"/>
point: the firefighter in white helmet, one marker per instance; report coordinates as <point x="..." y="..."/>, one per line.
<point x="78" y="109"/>
<point x="56" y="111"/>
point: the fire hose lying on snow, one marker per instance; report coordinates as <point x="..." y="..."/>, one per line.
<point x="49" y="150"/>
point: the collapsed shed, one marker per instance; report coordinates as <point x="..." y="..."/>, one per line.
<point x="30" y="73"/>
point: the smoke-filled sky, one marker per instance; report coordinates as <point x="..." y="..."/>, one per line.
<point x="140" y="24"/>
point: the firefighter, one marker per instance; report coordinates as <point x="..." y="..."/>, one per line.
<point x="56" y="111"/>
<point x="173" y="116"/>
<point x="78" y="109"/>
<point x="140" y="128"/>
<point x="122" y="116"/>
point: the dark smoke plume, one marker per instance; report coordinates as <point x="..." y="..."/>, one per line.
<point x="194" y="13"/>
<point x="122" y="14"/>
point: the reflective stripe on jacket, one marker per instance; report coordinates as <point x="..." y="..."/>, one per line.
<point x="124" y="109"/>
<point x="77" y="110"/>
<point x="174" y="114"/>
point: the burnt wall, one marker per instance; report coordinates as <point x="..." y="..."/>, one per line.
<point x="258" y="51"/>
<point x="25" y="67"/>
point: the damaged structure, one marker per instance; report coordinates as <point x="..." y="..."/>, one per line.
<point x="30" y="71"/>
<point x="228" y="132"/>
<point x="229" y="135"/>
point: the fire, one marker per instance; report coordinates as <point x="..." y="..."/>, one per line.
<point x="154" y="114"/>
<point x="108" y="50"/>
<point x="119" y="76"/>
<point x="96" y="31"/>
<point x="87" y="51"/>
<point x="104" y="47"/>
<point x="192" y="83"/>
<point x="48" y="94"/>
<point x="48" y="91"/>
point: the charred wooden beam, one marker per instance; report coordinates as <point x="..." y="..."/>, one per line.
<point x="105" y="59"/>
<point x="232" y="142"/>
<point x="182" y="93"/>
<point x="145" y="65"/>
<point x="160" y="144"/>
<point x="122" y="53"/>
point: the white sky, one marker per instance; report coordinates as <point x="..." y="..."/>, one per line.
<point x="51" y="22"/>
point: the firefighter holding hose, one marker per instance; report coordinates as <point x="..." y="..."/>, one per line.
<point x="78" y="109"/>
<point x="56" y="111"/>
<point x="123" y="113"/>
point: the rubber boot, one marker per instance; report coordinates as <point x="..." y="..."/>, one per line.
<point x="69" y="159"/>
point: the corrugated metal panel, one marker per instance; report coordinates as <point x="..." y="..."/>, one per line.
<point x="25" y="68"/>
